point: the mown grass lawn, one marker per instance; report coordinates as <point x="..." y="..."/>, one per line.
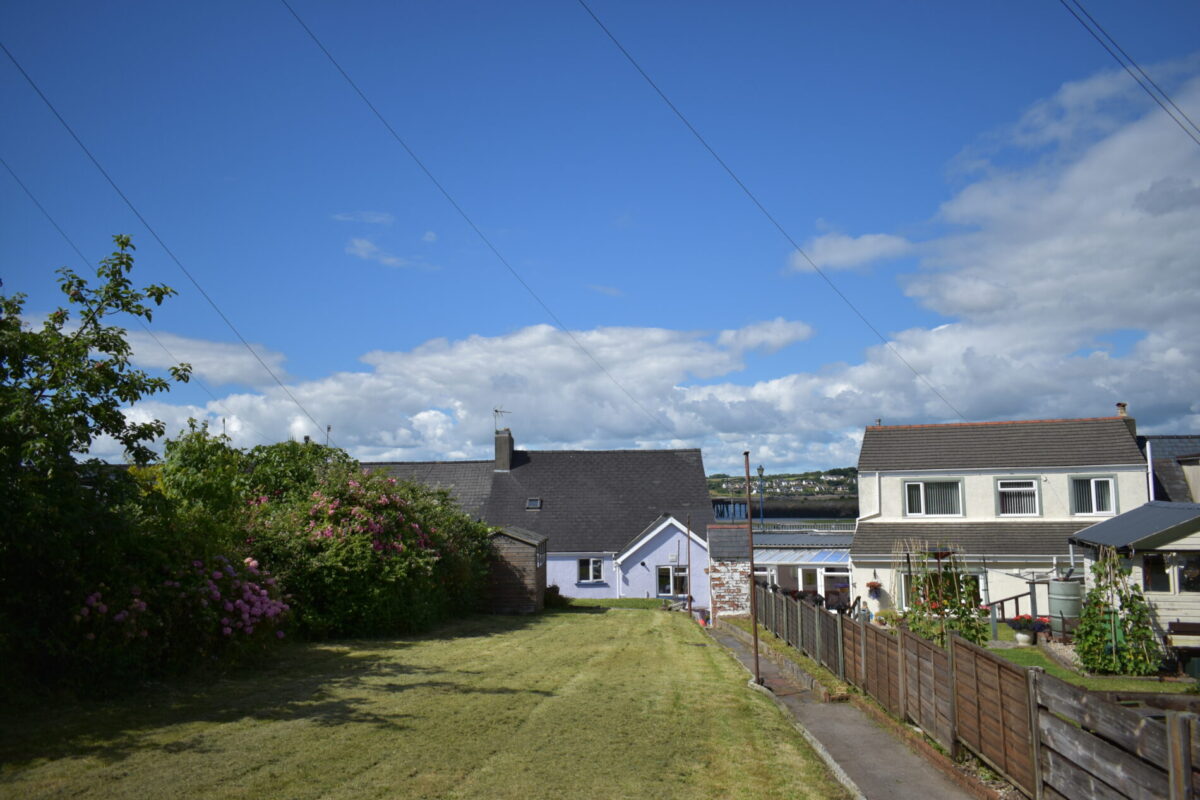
<point x="589" y="703"/>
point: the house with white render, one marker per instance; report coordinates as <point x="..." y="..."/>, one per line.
<point x="1004" y="497"/>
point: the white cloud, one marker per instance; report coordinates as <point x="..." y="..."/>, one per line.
<point x="369" y="217"/>
<point x="838" y="251"/>
<point x="429" y="236"/>
<point x="767" y="336"/>
<point x="1085" y="235"/>
<point x="216" y="363"/>
<point x="369" y="251"/>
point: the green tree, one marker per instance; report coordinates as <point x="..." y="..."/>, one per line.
<point x="63" y="385"/>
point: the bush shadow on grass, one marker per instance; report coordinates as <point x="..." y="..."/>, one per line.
<point x="324" y="683"/>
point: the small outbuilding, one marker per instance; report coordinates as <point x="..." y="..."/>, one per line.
<point x="518" y="578"/>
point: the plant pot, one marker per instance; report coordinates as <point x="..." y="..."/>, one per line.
<point x="1024" y="638"/>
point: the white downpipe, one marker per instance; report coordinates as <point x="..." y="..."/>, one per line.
<point x="1149" y="471"/>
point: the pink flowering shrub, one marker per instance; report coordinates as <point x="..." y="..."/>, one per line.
<point x="363" y="554"/>
<point x="208" y="609"/>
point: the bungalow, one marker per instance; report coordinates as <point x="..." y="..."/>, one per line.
<point x="618" y="523"/>
<point x="1005" y="497"/>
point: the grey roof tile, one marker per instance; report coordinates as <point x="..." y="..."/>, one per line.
<point x="970" y="538"/>
<point x="591" y="501"/>
<point x="1020" y="444"/>
<point x="469" y="482"/>
<point x="1150" y="525"/>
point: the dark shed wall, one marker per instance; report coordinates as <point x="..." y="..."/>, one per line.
<point x="518" y="583"/>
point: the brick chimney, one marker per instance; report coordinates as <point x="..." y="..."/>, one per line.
<point x="504" y="450"/>
<point x="1130" y="422"/>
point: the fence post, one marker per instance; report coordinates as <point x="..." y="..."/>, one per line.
<point x="903" y="676"/>
<point x="1179" y="754"/>
<point x="841" y="647"/>
<point x="1033" y="678"/>
<point x="953" y="696"/>
<point x="995" y="626"/>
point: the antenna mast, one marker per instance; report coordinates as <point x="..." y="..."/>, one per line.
<point x="497" y="413"/>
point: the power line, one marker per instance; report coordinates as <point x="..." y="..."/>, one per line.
<point x="158" y="238"/>
<point x="470" y="222"/>
<point x="1140" y="82"/>
<point x="753" y="199"/>
<point x="86" y="261"/>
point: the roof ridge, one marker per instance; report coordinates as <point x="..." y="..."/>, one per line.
<point x="995" y="422"/>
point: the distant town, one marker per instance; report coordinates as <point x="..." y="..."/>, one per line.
<point x="841" y="482"/>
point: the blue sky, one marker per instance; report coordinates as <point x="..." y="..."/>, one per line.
<point x="995" y="195"/>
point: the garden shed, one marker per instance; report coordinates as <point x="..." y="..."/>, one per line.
<point x="518" y="578"/>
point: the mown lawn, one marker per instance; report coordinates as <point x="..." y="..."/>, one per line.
<point x="596" y="703"/>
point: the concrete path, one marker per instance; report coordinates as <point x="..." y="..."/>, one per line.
<point x="867" y="758"/>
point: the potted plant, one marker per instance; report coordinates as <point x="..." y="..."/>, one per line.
<point x="1027" y="627"/>
<point x="873" y="589"/>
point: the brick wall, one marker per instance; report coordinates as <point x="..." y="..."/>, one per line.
<point x="730" y="586"/>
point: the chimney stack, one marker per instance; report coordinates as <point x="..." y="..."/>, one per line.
<point x="504" y="450"/>
<point x="1130" y="422"/>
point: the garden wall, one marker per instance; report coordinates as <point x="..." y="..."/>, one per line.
<point x="1049" y="738"/>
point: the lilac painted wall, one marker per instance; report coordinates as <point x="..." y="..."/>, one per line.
<point x="669" y="543"/>
<point x="630" y="578"/>
<point x="563" y="571"/>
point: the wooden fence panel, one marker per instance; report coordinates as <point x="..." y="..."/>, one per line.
<point x="928" y="688"/>
<point x="883" y="668"/>
<point x="992" y="708"/>
<point x="852" y="644"/>
<point x="829" y="641"/>
<point x="794" y="623"/>
<point x="1123" y="749"/>
<point x="808" y="636"/>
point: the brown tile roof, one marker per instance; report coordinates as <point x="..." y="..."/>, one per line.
<point x="980" y="445"/>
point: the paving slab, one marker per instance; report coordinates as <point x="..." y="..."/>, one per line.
<point x="868" y="759"/>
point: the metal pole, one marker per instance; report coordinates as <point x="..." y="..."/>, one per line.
<point x="753" y="597"/>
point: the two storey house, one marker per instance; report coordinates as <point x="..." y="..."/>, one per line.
<point x="1004" y="497"/>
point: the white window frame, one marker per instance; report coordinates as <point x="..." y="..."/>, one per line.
<point x="595" y="570"/>
<point x="675" y="572"/>
<point x="1092" y="481"/>
<point x="1034" y="484"/>
<point x="922" y="483"/>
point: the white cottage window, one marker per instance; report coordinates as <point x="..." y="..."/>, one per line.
<point x="933" y="498"/>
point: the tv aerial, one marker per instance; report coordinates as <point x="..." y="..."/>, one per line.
<point x="497" y="414"/>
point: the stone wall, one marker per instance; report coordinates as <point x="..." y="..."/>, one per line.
<point x="729" y="582"/>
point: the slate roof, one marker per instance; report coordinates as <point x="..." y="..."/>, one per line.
<point x="969" y="538"/>
<point x="1166" y="451"/>
<point x="980" y="445"/>
<point x="591" y="500"/>
<point x="599" y="500"/>
<point x="1147" y="526"/>
<point x="469" y="482"/>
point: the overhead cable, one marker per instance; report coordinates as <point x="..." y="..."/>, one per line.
<point x="758" y="204"/>
<point x="470" y="222"/>
<point x="159" y="239"/>
<point x="1163" y="99"/>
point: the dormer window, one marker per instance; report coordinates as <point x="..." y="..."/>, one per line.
<point x="533" y="504"/>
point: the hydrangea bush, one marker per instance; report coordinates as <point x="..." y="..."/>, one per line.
<point x="207" y="610"/>
<point x="364" y="554"/>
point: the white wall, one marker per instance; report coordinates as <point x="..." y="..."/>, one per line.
<point x="979" y="491"/>
<point x="667" y="548"/>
